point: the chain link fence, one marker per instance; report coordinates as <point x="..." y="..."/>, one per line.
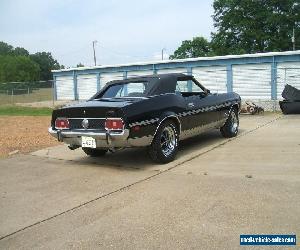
<point x="27" y="92"/>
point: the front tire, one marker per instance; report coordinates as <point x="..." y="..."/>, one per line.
<point x="231" y="126"/>
<point x="94" y="152"/>
<point x="164" y="146"/>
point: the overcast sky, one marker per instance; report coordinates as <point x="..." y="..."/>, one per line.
<point x="126" y="31"/>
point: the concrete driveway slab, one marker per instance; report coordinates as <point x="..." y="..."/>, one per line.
<point x="172" y="211"/>
<point x="34" y="188"/>
<point x="272" y="151"/>
<point x="216" y="190"/>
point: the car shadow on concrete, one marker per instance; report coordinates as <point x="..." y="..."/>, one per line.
<point x="138" y="159"/>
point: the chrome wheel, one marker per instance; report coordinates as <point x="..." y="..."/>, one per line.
<point x="234" y="122"/>
<point x="164" y="146"/>
<point x="168" y="140"/>
<point x="231" y="126"/>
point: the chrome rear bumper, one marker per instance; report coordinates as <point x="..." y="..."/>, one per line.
<point x="106" y="139"/>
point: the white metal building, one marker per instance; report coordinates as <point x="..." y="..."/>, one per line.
<point x="259" y="76"/>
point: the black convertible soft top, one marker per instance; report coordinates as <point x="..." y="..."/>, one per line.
<point x="158" y="84"/>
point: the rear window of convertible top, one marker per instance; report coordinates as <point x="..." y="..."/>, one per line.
<point x="127" y="89"/>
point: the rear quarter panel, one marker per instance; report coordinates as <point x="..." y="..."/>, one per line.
<point x="149" y="112"/>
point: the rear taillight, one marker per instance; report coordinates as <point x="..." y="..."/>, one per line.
<point x="114" y="124"/>
<point x="62" y="123"/>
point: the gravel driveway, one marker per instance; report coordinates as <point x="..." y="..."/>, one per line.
<point x="24" y="134"/>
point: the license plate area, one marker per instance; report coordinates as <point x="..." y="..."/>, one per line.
<point x="88" y="142"/>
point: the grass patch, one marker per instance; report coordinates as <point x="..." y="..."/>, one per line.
<point x="24" y="111"/>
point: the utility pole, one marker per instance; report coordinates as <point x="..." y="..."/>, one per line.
<point x="294" y="40"/>
<point x="162" y="53"/>
<point x="95" y="61"/>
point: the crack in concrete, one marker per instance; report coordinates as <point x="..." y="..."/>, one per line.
<point x="140" y="181"/>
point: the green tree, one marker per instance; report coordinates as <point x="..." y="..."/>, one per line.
<point x="16" y="64"/>
<point x="5" y="49"/>
<point x="251" y="26"/>
<point x="196" y="47"/>
<point x="46" y="63"/>
<point x="18" y="69"/>
<point x="18" y="51"/>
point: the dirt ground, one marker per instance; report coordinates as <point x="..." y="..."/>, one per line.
<point x="25" y="134"/>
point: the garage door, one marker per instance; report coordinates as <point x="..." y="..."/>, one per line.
<point x="213" y="78"/>
<point x="287" y="73"/>
<point x="86" y="86"/>
<point x="107" y="77"/>
<point x="139" y="73"/>
<point x="64" y="88"/>
<point x="252" y="81"/>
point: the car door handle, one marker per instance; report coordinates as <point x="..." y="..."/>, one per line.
<point x="191" y="105"/>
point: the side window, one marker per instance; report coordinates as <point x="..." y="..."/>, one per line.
<point x="182" y="86"/>
<point x="187" y="86"/>
<point x="132" y="89"/>
<point x="135" y="87"/>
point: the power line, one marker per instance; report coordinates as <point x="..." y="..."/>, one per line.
<point x="74" y="51"/>
<point x="118" y="53"/>
<point x="105" y="50"/>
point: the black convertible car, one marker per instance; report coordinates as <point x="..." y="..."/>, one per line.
<point x="156" y="111"/>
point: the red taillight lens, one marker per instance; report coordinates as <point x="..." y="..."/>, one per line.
<point x="114" y="124"/>
<point x="62" y="123"/>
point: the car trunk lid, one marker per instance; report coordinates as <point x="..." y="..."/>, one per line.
<point x="96" y="109"/>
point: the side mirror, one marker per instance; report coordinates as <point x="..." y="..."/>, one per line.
<point x="207" y="91"/>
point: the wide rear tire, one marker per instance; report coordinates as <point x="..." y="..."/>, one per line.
<point x="164" y="146"/>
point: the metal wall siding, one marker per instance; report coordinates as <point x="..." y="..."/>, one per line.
<point x="139" y="73"/>
<point x="107" y="77"/>
<point x="86" y="86"/>
<point x="175" y="70"/>
<point x="65" y="88"/>
<point x="287" y="73"/>
<point x="213" y="78"/>
<point x="252" y="81"/>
